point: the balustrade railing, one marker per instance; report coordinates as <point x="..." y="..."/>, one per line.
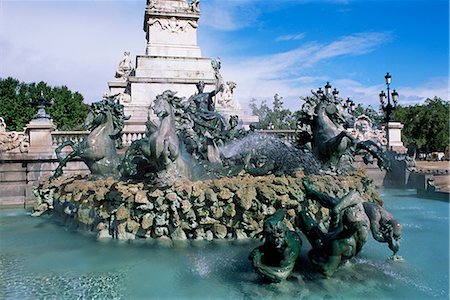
<point x="59" y="137"/>
<point x="129" y="136"/>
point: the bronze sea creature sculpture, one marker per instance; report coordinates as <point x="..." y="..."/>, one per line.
<point x="351" y="221"/>
<point x="97" y="150"/>
<point x="276" y="258"/>
<point x="324" y="120"/>
<point x="160" y="150"/>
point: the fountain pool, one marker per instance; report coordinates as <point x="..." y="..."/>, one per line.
<point x="41" y="259"/>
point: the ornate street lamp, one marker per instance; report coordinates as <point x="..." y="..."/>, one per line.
<point x="319" y="92"/>
<point x="335" y="93"/>
<point x="349" y="105"/>
<point x="327" y="88"/>
<point x="387" y="107"/>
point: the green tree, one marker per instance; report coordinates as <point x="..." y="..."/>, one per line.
<point x="369" y="111"/>
<point x="18" y="104"/>
<point x="15" y="107"/>
<point x="262" y="112"/>
<point x="276" y="117"/>
<point x="68" y="110"/>
<point x="427" y="125"/>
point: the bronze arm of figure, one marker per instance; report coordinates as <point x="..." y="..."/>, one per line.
<point x="347" y="234"/>
<point x="384" y="228"/>
<point x="336" y="205"/>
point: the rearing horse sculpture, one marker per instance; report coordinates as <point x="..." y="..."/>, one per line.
<point x="160" y="150"/>
<point x="98" y="149"/>
<point x="330" y="140"/>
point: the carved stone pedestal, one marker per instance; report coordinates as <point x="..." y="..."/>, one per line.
<point x="172" y="61"/>
<point x="394" y="137"/>
<point x="40" y="137"/>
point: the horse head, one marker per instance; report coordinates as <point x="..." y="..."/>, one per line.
<point x="336" y="113"/>
<point x="162" y="105"/>
<point x="95" y="117"/>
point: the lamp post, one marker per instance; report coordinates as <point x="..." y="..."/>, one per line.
<point x="388" y="108"/>
<point x="41" y="104"/>
<point x="327" y="88"/>
<point x="349" y="105"/>
<point x="335" y="94"/>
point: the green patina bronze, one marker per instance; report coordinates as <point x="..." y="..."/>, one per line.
<point x="351" y="220"/>
<point x="324" y="119"/>
<point x="154" y="192"/>
<point x="104" y="122"/>
<point x="276" y="258"/>
<point x="160" y="151"/>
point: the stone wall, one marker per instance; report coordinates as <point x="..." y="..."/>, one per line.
<point x="19" y="172"/>
<point x="212" y="209"/>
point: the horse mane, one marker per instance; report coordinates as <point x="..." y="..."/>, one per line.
<point x="112" y="105"/>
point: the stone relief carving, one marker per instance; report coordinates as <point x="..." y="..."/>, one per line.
<point x="225" y="90"/>
<point x="173" y="24"/>
<point x="185" y="6"/>
<point x="225" y="97"/>
<point x="363" y="131"/>
<point x="151" y="3"/>
<point x="12" y="140"/>
<point x="194" y="6"/>
<point x="123" y="97"/>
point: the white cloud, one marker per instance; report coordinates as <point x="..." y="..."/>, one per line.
<point x="229" y="15"/>
<point x="284" y="73"/>
<point x="355" y="44"/>
<point x="81" y="46"/>
<point x="291" y="37"/>
<point x="78" y="47"/>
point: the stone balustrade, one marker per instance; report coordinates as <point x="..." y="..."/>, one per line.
<point x="129" y="136"/>
<point x="59" y="137"/>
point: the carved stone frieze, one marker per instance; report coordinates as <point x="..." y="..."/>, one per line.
<point x="173" y="24"/>
<point x="12" y="140"/>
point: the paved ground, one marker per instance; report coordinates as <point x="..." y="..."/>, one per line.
<point x="442" y="180"/>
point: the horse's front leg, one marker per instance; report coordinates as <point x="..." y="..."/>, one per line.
<point x="127" y="167"/>
<point x="169" y="153"/>
<point x="63" y="161"/>
<point x="58" y="149"/>
<point x="378" y="153"/>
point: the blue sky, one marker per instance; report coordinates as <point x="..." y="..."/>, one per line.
<point x="280" y="46"/>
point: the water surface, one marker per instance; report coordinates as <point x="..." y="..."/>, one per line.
<point x="39" y="259"/>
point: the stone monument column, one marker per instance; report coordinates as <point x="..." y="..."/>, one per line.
<point x="172" y="60"/>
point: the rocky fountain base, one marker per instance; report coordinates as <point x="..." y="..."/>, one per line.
<point x="225" y="208"/>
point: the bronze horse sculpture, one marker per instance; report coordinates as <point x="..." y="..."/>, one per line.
<point x="326" y="119"/>
<point x="98" y="149"/>
<point x="160" y="150"/>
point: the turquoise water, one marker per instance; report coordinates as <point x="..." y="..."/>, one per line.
<point x="42" y="259"/>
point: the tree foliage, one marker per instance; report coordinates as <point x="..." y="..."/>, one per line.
<point x="426" y="126"/>
<point x="15" y="107"/>
<point x="369" y="111"/>
<point x="18" y="104"/>
<point x="276" y="117"/>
